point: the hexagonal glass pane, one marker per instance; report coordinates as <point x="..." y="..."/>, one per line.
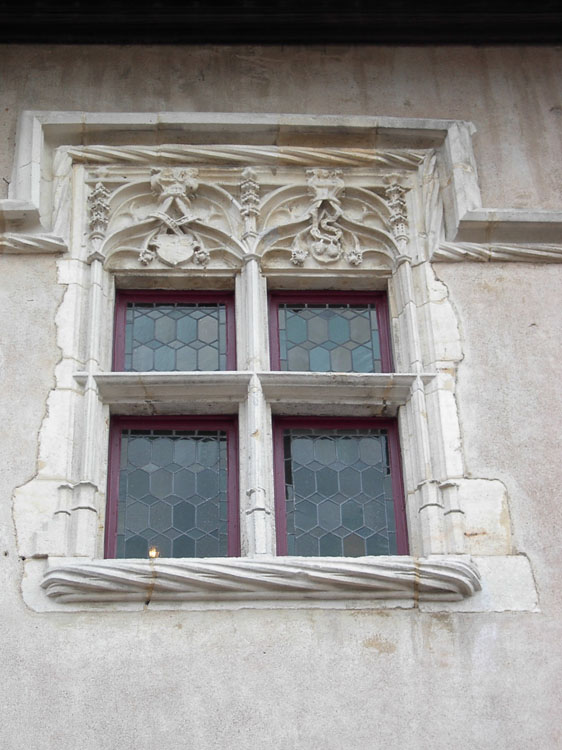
<point x="166" y="337"/>
<point x="166" y="499"/>
<point x="336" y="506"/>
<point x="340" y="337"/>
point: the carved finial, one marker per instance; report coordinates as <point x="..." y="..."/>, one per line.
<point x="398" y="213"/>
<point x="249" y="193"/>
<point x="98" y="203"/>
<point x="99" y="208"/>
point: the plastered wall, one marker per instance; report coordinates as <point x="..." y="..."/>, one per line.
<point x="310" y="679"/>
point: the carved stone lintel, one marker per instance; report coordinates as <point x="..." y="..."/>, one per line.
<point x="417" y="579"/>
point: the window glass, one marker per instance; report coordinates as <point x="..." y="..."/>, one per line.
<point x="325" y="332"/>
<point x="169" y="334"/>
<point x="169" y="490"/>
<point x="337" y="491"/>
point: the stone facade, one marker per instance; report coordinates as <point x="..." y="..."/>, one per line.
<point x="472" y="266"/>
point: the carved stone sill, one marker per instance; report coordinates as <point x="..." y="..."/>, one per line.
<point x="334" y="393"/>
<point x="244" y="579"/>
<point x="132" y="392"/>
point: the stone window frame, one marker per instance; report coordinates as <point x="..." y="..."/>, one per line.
<point x="431" y="212"/>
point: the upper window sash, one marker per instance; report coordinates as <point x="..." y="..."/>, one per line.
<point x="378" y="300"/>
<point x="123" y="329"/>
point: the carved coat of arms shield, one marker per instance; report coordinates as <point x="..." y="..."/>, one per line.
<point x="173" y="249"/>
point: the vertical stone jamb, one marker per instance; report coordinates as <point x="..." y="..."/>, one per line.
<point x="421" y="483"/>
<point x="85" y="510"/>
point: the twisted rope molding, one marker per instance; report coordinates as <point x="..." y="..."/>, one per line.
<point x="448" y="251"/>
<point x="246" y="155"/>
<point x="424" y="579"/>
<point x="31" y="243"/>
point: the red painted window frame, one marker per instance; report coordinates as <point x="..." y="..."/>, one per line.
<point x="225" y="423"/>
<point x="122" y="297"/>
<point x="337" y="423"/>
<point x="379" y="299"/>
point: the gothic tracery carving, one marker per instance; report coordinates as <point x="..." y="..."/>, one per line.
<point x="292" y="217"/>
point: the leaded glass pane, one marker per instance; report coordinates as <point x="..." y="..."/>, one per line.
<point x="339" y="498"/>
<point x="172" y="493"/>
<point x="175" y="336"/>
<point x="320" y="337"/>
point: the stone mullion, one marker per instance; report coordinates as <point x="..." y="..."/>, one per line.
<point x="256" y="443"/>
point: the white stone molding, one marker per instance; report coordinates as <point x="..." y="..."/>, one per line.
<point x="338" y="394"/>
<point x="524" y="253"/>
<point x="12" y="243"/>
<point x="229" y="155"/>
<point x="171" y="392"/>
<point x="240" y="579"/>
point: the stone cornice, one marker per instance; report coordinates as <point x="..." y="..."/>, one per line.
<point x="388" y="143"/>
